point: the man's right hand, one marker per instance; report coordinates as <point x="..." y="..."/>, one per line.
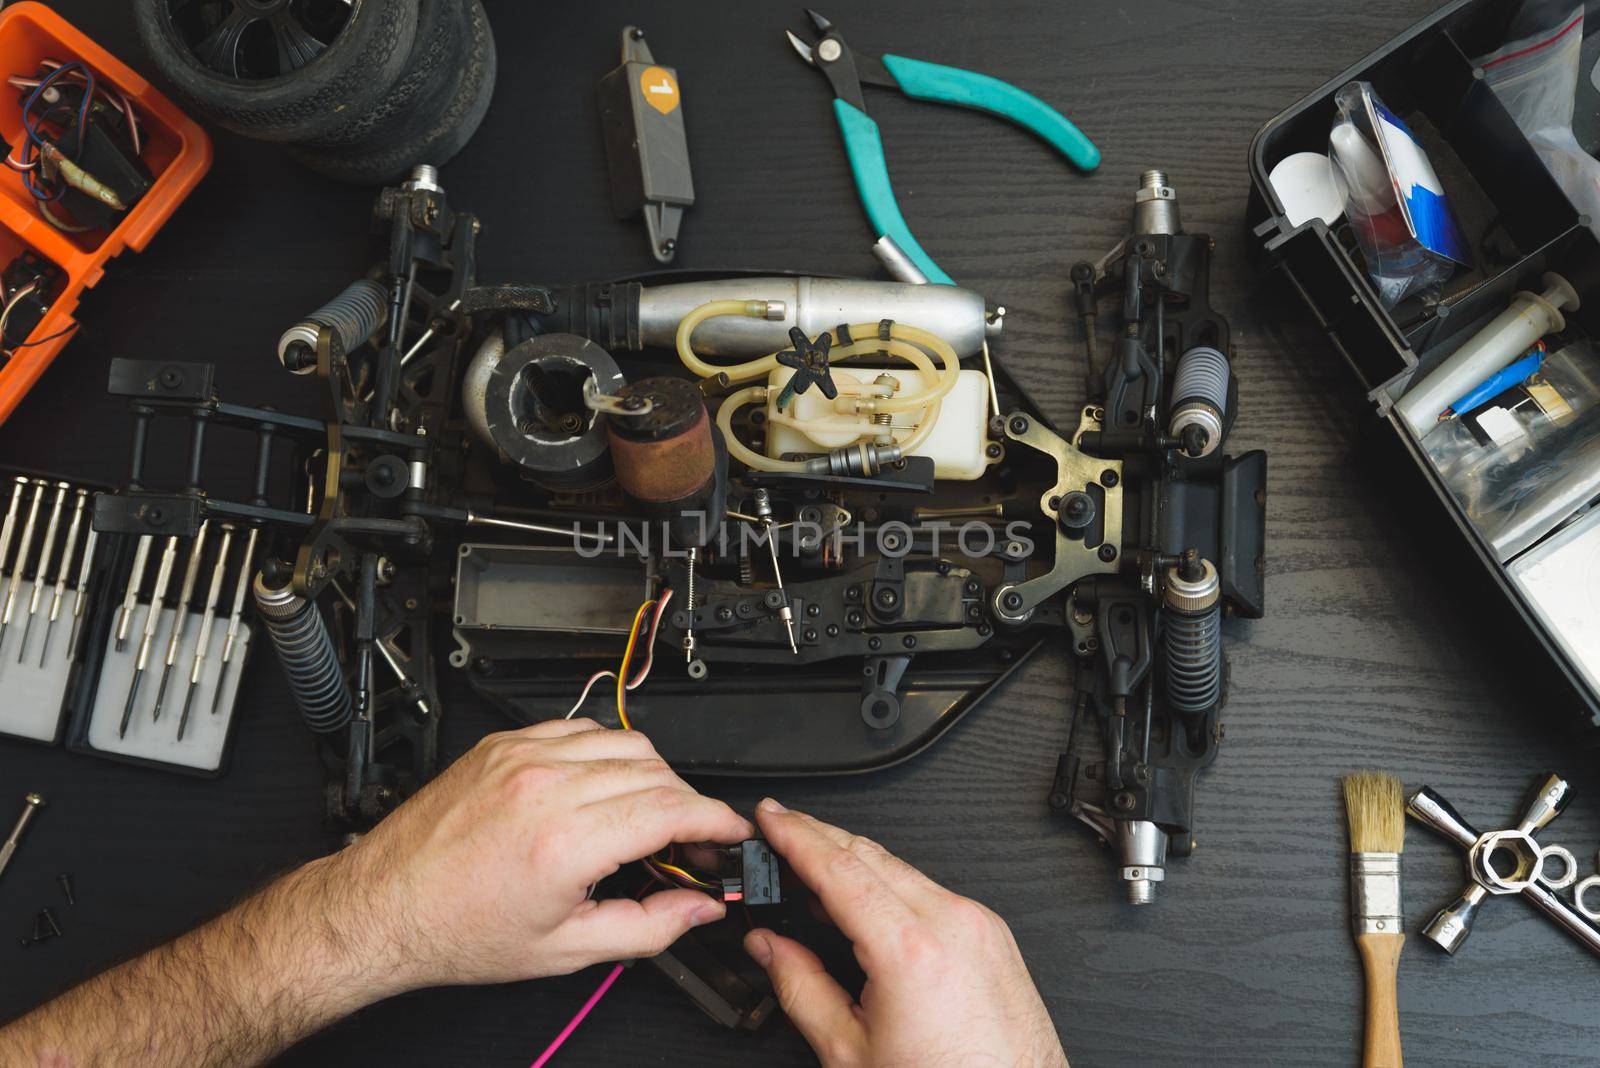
<point x="945" y="981"/>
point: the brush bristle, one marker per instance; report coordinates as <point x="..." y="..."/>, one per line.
<point x="1375" y="806"/>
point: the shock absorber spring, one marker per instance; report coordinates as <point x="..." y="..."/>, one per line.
<point x="1193" y="634"/>
<point x="305" y="650"/>
<point x="1199" y="400"/>
<point x="354" y="317"/>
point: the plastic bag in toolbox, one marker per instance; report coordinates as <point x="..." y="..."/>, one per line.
<point x="1398" y="211"/>
<point x="1536" y="78"/>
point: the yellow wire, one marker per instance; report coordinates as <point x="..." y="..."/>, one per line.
<point x="627" y="658"/>
<point x="681" y="873"/>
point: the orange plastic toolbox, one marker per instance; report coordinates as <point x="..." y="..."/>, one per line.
<point x="176" y="151"/>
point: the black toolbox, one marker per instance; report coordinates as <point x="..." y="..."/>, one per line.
<point x="1513" y="213"/>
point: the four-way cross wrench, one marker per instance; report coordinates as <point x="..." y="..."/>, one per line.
<point x="1450" y="927"/>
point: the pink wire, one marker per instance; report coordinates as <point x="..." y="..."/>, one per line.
<point x="650" y="644"/>
<point x="572" y="1025"/>
<point x="644" y="672"/>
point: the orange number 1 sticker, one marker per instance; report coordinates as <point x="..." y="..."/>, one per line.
<point x="660" y="89"/>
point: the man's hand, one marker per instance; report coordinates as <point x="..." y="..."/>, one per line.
<point x="945" y="982"/>
<point x="484" y="876"/>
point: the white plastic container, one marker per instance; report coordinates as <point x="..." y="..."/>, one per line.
<point x="810" y="425"/>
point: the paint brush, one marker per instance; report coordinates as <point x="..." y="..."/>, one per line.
<point x="1375" y="808"/>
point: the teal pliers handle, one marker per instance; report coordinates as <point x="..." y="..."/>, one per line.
<point x="864" y="146"/>
<point x="969" y="89"/>
<point x="863" y="143"/>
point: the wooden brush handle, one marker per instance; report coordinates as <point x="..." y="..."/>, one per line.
<point x="1380" y="957"/>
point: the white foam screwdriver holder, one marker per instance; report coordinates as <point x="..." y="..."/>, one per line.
<point x="151" y="738"/>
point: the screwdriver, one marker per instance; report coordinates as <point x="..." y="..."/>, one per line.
<point x="241" y="586"/>
<point x="61" y="572"/>
<point x="210" y="615"/>
<point x="9" y="527"/>
<point x="31" y="804"/>
<point x="23" y="548"/>
<point x="151" y="620"/>
<point x="180" y="621"/>
<point x="81" y="594"/>
<point x="40" y="576"/>
<point x="131" y="598"/>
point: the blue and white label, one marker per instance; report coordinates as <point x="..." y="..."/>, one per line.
<point x="1421" y="194"/>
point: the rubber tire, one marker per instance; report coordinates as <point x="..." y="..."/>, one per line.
<point x="431" y="138"/>
<point x="425" y="84"/>
<point x="352" y="76"/>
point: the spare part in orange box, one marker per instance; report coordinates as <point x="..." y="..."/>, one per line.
<point x="175" y="149"/>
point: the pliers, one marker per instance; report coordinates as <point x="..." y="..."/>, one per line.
<point x="846" y="70"/>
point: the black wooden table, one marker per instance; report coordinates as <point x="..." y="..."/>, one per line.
<point x="1364" y="659"/>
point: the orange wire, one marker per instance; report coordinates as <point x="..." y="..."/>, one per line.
<point x="627" y="659"/>
<point x="680" y="873"/>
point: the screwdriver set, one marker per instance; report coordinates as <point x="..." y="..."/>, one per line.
<point x="47" y="554"/>
<point x="165" y="651"/>
<point x="145" y="669"/>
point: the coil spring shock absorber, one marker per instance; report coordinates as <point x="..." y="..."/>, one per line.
<point x="1194" y="634"/>
<point x="353" y="317"/>
<point x="1199" y="399"/>
<point x="305" y="650"/>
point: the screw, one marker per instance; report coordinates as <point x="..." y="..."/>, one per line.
<point x="1108" y="553"/>
<point x="1012" y="601"/>
<point x="724" y="613"/>
<point x="50" y="919"/>
<point x="66" y="887"/>
<point x="1109" y="479"/>
<point x="1019" y="424"/>
<point x="910" y="641"/>
<point x="874" y="643"/>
